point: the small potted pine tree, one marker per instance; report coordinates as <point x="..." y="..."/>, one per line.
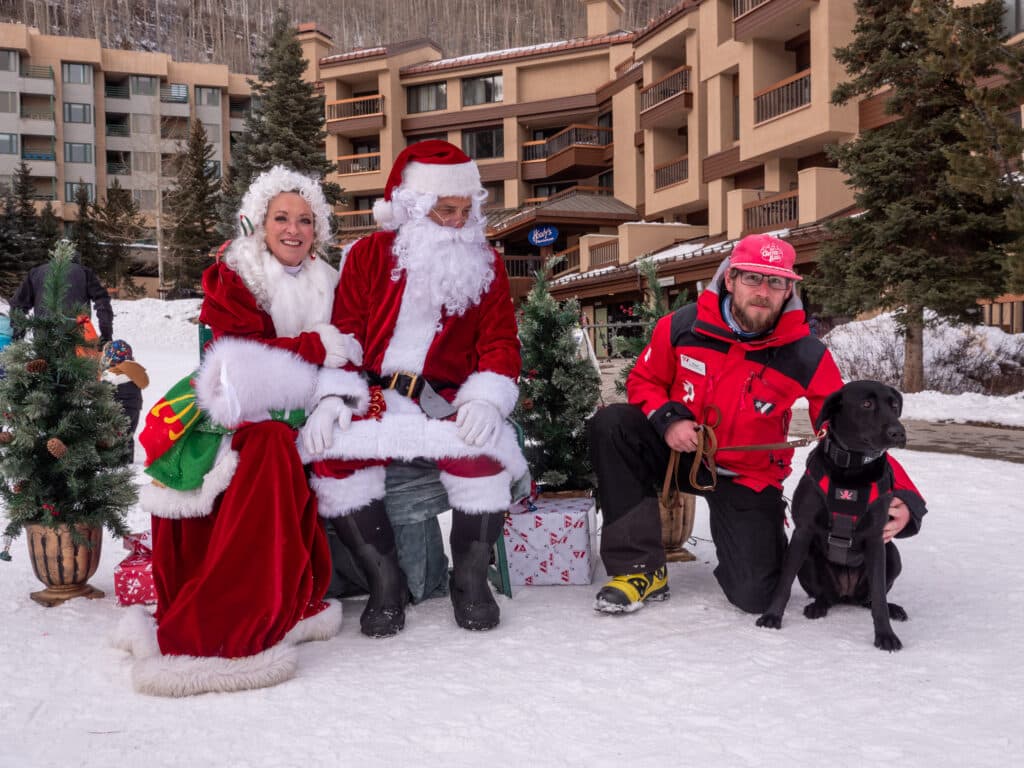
<point x="61" y="443"/>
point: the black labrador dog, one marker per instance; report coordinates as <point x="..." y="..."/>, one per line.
<point x="840" y="508"/>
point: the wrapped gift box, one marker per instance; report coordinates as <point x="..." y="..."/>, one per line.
<point x="133" y="576"/>
<point x="551" y="541"/>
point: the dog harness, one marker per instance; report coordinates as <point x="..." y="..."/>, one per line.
<point x="846" y="505"/>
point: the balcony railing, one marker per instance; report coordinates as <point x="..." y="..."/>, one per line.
<point x="358" y="107"/>
<point x="604" y="254"/>
<point x="739" y="7"/>
<point x="43" y="73"/>
<point x="119" y="169"/>
<point x="116" y="91"/>
<point x="176" y="93"/>
<point x="672" y="172"/>
<point x="675" y="82"/>
<point x="522" y="266"/>
<point x="114" y="129"/>
<point x="785" y="96"/>
<point x="239" y="114"/>
<point x="36" y="114"/>
<point x="587" y="135"/>
<point x="366" y="163"/>
<point x="355" y="219"/>
<point x="776" y="212"/>
<point x="568" y="261"/>
<point x="39" y="155"/>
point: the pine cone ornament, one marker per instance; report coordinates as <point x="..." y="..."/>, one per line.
<point x="6" y="438"/>
<point x="56" y="448"/>
<point x="528" y="404"/>
<point x="36" y="366"/>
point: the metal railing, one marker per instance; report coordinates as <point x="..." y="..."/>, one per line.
<point x="34" y="114"/>
<point x="116" y="91"/>
<point x="350" y="164"/>
<point x="773" y="212"/>
<point x="522" y="266"/>
<point x="785" y="96"/>
<point x="43" y="73"/>
<point x="739" y="7"/>
<point x="355" y="219"/>
<point x="239" y="114"/>
<point x="119" y="169"/>
<point x="362" y="106"/>
<point x="568" y="261"/>
<point x="175" y="93"/>
<point x="604" y="254"/>
<point x="672" y="172"/>
<point x="675" y="82"/>
<point x="116" y="129"/>
<point x="574" y="135"/>
<point x="39" y="155"/>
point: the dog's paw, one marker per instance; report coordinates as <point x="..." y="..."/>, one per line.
<point x="770" y="621"/>
<point x="896" y="612"/>
<point x="887" y="641"/>
<point x="816" y="610"/>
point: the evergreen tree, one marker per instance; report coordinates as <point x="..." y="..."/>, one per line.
<point x="26" y="224"/>
<point x="118" y="224"/>
<point x="86" y="236"/>
<point x="50" y="229"/>
<point x="11" y="268"/>
<point x="285" y="125"/>
<point x="63" y="433"/>
<point x="921" y="242"/>
<point x="649" y="310"/>
<point x="192" y="205"/>
<point x="558" y="390"/>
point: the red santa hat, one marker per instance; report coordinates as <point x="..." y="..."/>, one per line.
<point x="432" y="167"/>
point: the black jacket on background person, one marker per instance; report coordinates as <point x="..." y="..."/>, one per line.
<point x="84" y="288"/>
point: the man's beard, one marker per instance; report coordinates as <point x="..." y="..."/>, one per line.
<point x="755" y="322"/>
<point x="445" y="266"/>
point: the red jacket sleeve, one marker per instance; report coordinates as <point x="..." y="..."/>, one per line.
<point x="230" y="309"/>
<point x="497" y="343"/>
<point x="825" y="381"/>
<point x="351" y="308"/>
<point x="908" y="493"/>
<point x="649" y="385"/>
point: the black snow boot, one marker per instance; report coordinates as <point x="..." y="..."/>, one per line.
<point x="367" y="534"/>
<point x="473" y="538"/>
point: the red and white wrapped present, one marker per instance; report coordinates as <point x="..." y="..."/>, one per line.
<point x="551" y="541"/>
<point x="133" y="576"/>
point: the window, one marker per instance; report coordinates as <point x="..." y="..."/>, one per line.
<point x="8" y="143"/>
<point x="1013" y="17"/>
<point x="606" y="180"/>
<point x="8" y="61"/>
<point x="427" y="98"/>
<point x="144" y="162"/>
<point x="547" y="190"/>
<point x="143" y="86"/>
<point x="495" y="194"/>
<point x="77" y="153"/>
<point x="169" y="165"/>
<point x="145" y="199"/>
<point x="142" y="123"/>
<point x="71" y="190"/>
<point x="77" y="113"/>
<point x="481" y="90"/>
<point x="604" y="120"/>
<point x="212" y="132"/>
<point x="76" y="73"/>
<point x="207" y="97"/>
<point x="8" y="101"/>
<point x="483" y="143"/>
<point x="213" y="168"/>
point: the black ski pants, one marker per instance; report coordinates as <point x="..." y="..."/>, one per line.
<point x="747" y="527"/>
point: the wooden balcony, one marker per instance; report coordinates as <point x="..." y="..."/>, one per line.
<point x="520" y="270"/>
<point x="775" y="212"/>
<point x="664" y="101"/>
<point x="355" y="117"/>
<point x="568" y="262"/>
<point x="575" y="152"/>
<point x="355" y="220"/>
<point x="349" y="165"/>
<point x="673" y="172"/>
<point x="768" y="19"/>
<point x="783" y="97"/>
<point x="604" y="255"/>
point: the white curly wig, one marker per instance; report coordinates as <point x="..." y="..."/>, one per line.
<point x="269" y="185"/>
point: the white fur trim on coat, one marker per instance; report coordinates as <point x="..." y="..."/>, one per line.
<point x="278" y="179"/>
<point x="136" y="633"/>
<point x="242" y="380"/>
<point x="455" y="180"/>
<point x="478" y="494"/>
<point x="342" y="348"/>
<point x="189" y="675"/>
<point x="336" y="497"/>
<point x="322" y="626"/>
<point x="160" y="501"/>
<point x="500" y="391"/>
<point x="346" y="384"/>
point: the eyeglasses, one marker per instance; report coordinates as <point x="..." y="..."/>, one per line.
<point x="447" y="214"/>
<point x="754" y="280"/>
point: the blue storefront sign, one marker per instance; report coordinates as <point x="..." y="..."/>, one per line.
<point x="541" y="236"/>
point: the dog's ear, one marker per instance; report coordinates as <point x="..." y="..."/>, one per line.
<point x="898" y="397"/>
<point x="828" y="409"/>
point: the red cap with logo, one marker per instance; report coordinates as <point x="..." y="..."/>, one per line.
<point x="766" y="255"/>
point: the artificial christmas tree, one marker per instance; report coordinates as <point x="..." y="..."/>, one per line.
<point x="64" y="438"/>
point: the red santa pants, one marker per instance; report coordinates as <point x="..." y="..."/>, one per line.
<point x="233" y="583"/>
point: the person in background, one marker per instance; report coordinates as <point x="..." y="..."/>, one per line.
<point x="129" y="379"/>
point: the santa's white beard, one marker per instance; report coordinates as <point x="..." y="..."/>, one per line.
<point x="298" y="302"/>
<point x="445" y="266"/>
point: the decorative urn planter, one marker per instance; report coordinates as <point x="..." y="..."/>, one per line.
<point x="63" y="565"/>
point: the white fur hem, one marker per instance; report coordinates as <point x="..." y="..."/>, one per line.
<point x="323" y="626"/>
<point x="347" y="384"/>
<point x="341" y="348"/>
<point x="478" y="494"/>
<point x="189" y="675"/>
<point x="339" y="496"/>
<point x="136" y="633"/>
<point x="242" y="380"/>
<point x="500" y="391"/>
<point x="161" y="501"/>
<point x="403" y="437"/>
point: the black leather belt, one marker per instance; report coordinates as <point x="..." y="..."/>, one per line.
<point x="416" y="387"/>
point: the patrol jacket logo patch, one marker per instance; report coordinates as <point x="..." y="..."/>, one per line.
<point x="691" y="364"/>
<point x="690" y="395"/>
<point x="846" y="494"/>
<point x="763" y="407"/>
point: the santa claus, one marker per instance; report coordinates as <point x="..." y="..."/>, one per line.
<point x="428" y="301"/>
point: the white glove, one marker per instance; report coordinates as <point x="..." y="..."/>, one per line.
<point x="340" y="348"/>
<point x="478" y="422"/>
<point x="318" y="432"/>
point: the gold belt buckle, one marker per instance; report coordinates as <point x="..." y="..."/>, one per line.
<point x="412" y="383"/>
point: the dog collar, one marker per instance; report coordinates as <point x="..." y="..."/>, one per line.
<point x="845" y="458"/>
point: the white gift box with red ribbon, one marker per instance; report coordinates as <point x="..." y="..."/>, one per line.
<point x="133" y="576"/>
<point x="551" y="541"/>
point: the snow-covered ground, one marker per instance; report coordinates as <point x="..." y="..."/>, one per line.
<point x="690" y="681"/>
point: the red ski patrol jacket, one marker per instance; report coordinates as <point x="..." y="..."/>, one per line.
<point x="696" y="364"/>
